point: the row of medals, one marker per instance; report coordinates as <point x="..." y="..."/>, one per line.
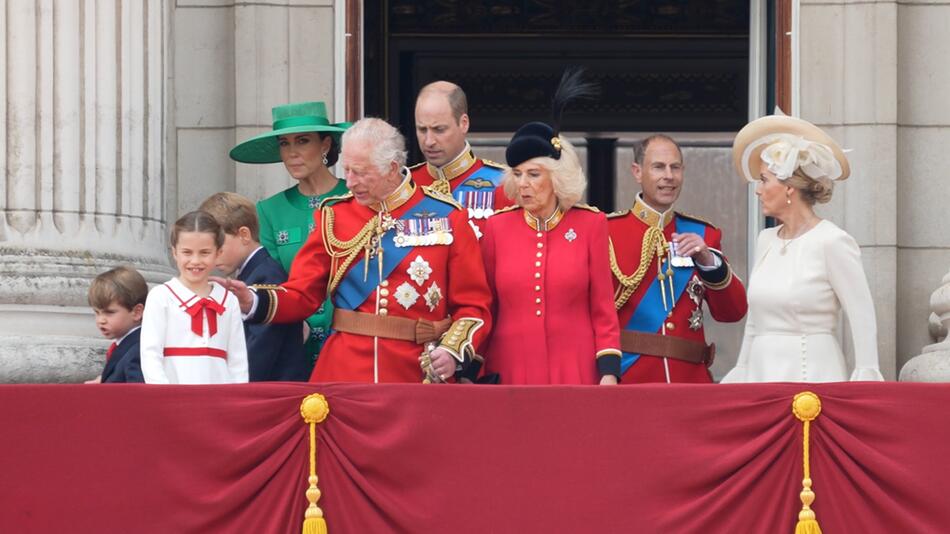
<point x="478" y="203"/>
<point x="423" y="232"/>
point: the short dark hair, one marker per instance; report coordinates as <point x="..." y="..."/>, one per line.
<point x="198" y="221"/>
<point x="232" y="211"/>
<point x="123" y="285"/>
<point x="640" y="149"/>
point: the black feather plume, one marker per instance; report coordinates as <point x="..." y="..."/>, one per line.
<point x="572" y="87"/>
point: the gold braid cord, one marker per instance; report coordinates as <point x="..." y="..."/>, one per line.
<point x="314" y="410"/>
<point x="806" y="406"/>
<point x="654" y="242"/>
<point x="346" y="250"/>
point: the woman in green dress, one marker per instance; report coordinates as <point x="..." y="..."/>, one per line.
<point x="308" y="145"/>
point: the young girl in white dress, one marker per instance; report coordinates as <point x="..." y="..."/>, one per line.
<point x="192" y="329"/>
<point x="807" y="269"/>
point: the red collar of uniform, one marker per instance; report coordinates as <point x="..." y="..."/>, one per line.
<point x="641" y="210"/>
<point x="544" y="225"/>
<point x="399" y="196"/>
<point x="455" y="168"/>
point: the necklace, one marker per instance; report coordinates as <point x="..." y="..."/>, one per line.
<point x="787" y="242"/>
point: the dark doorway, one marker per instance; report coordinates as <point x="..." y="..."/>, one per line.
<point x="662" y="65"/>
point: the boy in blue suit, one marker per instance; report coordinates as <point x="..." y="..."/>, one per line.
<point x="118" y="297"/>
<point x="274" y="351"/>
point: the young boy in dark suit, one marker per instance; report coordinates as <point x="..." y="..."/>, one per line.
<point x="118" y="297"/>
<point x="274" y="351"/>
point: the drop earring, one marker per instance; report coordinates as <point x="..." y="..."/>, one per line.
<point x="788" y="198"/>
<point x="325" y="160"/>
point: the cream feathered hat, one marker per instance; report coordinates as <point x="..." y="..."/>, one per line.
<point x="785" y="144"/>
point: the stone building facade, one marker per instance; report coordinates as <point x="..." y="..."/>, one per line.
<point x="119" y="115"/>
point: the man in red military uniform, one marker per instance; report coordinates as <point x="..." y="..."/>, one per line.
<point x="665" y="265"/>
<point x="402" y="266"/>
<point x="451" y="166"/>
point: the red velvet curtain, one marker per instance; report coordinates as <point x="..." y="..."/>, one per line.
<point x="433" y="459"/>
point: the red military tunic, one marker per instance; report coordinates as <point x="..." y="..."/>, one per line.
<point x="475" y="184"/>
<point x="726" y="299"/>
<point x="555" y="321"/>
<point x="432" y="281"/>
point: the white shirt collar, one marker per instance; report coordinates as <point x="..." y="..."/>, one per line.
<point x="247" y="259"/>
<point x="121" y="339"/>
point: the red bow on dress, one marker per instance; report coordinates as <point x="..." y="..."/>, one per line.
<point x="212" y="309"/>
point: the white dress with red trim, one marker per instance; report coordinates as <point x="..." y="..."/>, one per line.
<point x="187" y="339"/>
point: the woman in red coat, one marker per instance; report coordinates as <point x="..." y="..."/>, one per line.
<point x="548" y="268"/>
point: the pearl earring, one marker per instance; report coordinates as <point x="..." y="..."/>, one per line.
<point x="788" y="198"/>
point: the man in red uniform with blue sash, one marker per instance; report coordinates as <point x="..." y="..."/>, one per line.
<point x="665" y="265"/>
<point x="451" y="167"/>
<point x="402" y="266"/>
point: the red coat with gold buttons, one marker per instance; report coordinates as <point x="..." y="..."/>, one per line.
<point x="554" y="317"/>
<point x="726" y="300"/>
<point x="432" y="282"/>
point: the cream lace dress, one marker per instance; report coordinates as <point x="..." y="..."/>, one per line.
<point x="796" y="291"/>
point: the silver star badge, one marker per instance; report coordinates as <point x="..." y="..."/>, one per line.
<point x="696" y="319"/>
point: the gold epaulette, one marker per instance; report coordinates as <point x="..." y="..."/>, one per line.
<point x="695" y="218"/>
<point x="417" y="165"/>
<point x="587" y="207"/>
<point x="615" y="214"/>
<point x="438" y="195"/>
<point x="334" y="199"/>
<point x="506" y="209"/>
<point x="494" y="164"/>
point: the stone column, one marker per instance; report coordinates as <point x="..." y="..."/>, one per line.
<point x="933" y="364"/>
<point x="922" y="195"/>
<point x="83" y="190"/>
<point x="849" y="87"/>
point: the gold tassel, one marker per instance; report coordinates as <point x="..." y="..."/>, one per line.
<point x="314" y="409"/>
<point x="806" y="406"/>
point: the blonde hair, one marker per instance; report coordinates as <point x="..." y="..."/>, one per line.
<point x="567" y="176"/>
<point x="232" y="211"/>
<point x="810" y="189"/>
<point x="123" y="285"/>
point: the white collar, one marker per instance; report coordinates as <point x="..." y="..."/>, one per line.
<point x="246" y="260"/>
<point x="121" y="339"/>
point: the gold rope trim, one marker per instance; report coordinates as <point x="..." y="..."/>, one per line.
<point x="349" y="249"/>
<point x="314" y="409"/>
<point x="653" y="242"/>
<point x="806" y="406"/>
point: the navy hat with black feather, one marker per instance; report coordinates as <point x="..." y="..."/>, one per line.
<point x="539" y="139"/>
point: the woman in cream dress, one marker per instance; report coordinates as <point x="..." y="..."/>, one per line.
<point x="807" y="269"/>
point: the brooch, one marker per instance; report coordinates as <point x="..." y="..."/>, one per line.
<point x="570" y="235"/>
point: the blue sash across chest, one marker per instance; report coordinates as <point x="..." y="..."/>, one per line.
<point x="650" y="313"/>
<point x="352" y="290"/>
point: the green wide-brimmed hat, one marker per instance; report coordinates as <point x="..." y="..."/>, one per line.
<point x="288" y="119"/>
